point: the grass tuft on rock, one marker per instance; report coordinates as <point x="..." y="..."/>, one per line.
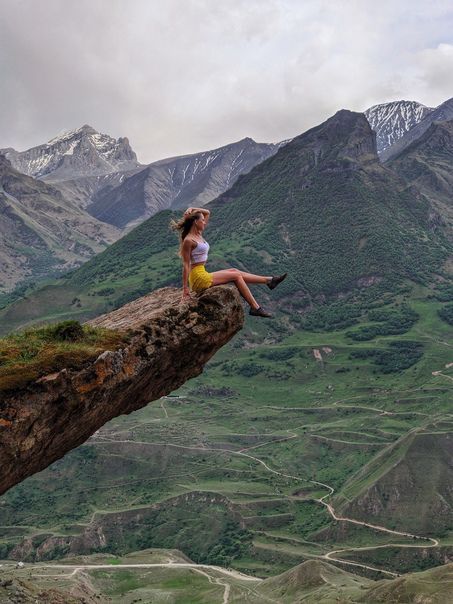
<point x="33" y="353"/>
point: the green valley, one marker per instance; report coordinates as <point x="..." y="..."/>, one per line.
<point x="240" y="466"/>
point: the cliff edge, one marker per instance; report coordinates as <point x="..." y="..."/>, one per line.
<point x="169" y="343"/>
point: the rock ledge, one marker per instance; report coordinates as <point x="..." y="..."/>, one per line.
<point x="170" y="344"/>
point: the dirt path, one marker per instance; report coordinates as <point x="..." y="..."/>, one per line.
<point x="164" y="408"/>
<point x="77" y="567"/>
<point x="439" y="373"/>
<point x="268" y="442"/>
<point x="334" y="406"/>
<point x="349" y="442"/>
<point x="329" y="555"/>
<point x="218" y="581"/>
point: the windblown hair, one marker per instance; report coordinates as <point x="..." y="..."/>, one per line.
<point x="183" y="226"/>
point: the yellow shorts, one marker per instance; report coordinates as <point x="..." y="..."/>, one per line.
<point x="199" y="278"/>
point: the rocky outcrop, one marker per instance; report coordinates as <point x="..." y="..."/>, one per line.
<point x="169" y="343"/>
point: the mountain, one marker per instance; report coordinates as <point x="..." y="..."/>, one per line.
<point x="83" y="165"/>
<point x="408" y="485"/>
<point x="42" y="233"/>
<point x="427" y="164"/>
<point x="323" y="208"/>
<point x="78" y="163"/>
<point x="326" y="209"/>
<point x="443" y="112"/>
<point x="313" y="581"/>
<point x="429" y="587"/>
<point x="178" y="182"/>
<point x="392" y="120"/>
<point x="96" y="170"/>
<point x="82" y="152"/>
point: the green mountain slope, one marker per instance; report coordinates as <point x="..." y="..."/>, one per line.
<point x="313" y="581"/>
<point x="41" y="232"/>
<point x="433" y="586"/>
<point x="428" y="164"/>
<point x="407" y="486"/>
<point x="326" y="208"/>
<point x="323" y="208"/>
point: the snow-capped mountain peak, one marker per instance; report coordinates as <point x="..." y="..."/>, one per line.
<point x="392" y="120"/>
<point x="67" y="134"/>
<point x="73" y="153"/>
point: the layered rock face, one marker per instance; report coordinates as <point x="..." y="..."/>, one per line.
<point x="178" y="182"/>
<point x="169" y="343"/>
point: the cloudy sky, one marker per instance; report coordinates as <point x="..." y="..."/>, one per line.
<point x="181" y="76"/>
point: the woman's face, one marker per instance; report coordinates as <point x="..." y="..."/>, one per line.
<point x="200" y="222"/>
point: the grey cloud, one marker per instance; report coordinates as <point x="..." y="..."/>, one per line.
<point x="178" y="77"/>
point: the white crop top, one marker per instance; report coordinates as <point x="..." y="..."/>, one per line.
<point x="200" y="252"/>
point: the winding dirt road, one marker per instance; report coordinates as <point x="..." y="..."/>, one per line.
<point x="428" y="541"/>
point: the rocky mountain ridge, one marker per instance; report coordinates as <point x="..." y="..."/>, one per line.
<point x="178" y="182"/>
<point x="93" y="174"/>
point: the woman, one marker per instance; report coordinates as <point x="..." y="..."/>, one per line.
<point x="194" y="253"/>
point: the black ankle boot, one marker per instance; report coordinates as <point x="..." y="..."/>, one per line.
<point x="275" y="281"/>
<point x="259" y="312"/>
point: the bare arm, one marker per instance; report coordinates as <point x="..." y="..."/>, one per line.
<point x="186" y="249"/>
<point x="204" y="211"/>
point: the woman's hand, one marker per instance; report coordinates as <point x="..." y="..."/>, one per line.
<point x="192" y="210"/>
<point x="186" y="296"/>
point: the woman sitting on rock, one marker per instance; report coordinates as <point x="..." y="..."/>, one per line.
<point x="194" y="253"/>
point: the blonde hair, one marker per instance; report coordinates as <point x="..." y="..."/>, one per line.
<point x="183" y="226"/>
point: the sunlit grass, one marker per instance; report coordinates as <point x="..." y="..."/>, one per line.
<point x="33" y="353"/>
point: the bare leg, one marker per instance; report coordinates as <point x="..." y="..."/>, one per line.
<point x="248" y="277"/>
<point x="235" y="276"/>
